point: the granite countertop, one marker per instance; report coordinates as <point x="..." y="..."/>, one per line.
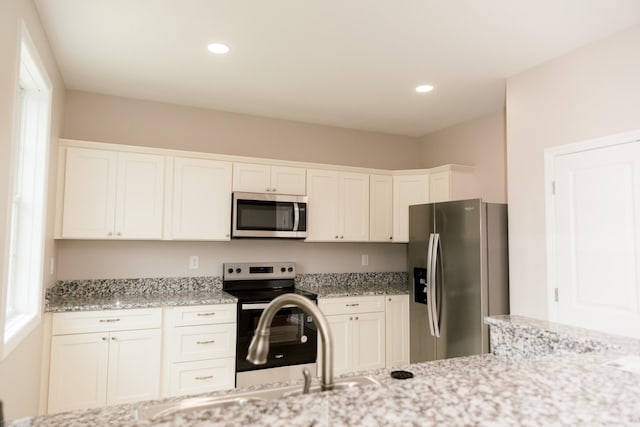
<point x="548" y="384"/>
<point x="115" y="294"/>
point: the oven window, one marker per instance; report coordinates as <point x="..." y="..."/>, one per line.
<point x="285" y="328"/>
<point x="264" y="215"/>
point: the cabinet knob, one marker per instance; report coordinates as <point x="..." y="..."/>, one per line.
<point x="350" y="318"/>
<point x="113" y="338"/>
<point x="273" y="189"/>
<point x="118" y="234"/>
<point x="336" y="237"/>
<point x="110" y="234"/>
<point x="342" y="237"/>
<point x="356" y="317"/>
<point x="390" y="237"/>
<point x="104" y="338"/>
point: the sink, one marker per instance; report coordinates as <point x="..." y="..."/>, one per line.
<point x="245" y="398"/>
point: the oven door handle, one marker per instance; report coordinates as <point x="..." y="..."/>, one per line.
<point x="261" y="306"/>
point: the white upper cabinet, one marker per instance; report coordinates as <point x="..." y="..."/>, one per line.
<point x="338" y="206"/>
<point x="110" y="194"/>
<point x="407" y="190"/>
<point x="255" y="178"/>
<point x="201" y="206"/>
<point x="381" y="208"/>
<point x="454" y="183"/>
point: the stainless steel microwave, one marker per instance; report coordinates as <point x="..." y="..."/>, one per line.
<point x="268" y="215"/>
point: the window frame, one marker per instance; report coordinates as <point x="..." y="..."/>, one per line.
<point x="32" y="97"/>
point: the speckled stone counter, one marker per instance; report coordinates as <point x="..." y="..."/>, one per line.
<point x="354" y="284"/>
<point x="557" y="389"/>
<point x="115" y="294"/>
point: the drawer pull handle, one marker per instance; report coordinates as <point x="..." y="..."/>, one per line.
<point x="352" y="305"/>
<point x="205" y="342"/>
<point x="208" y="377"/>
<point x="109" y="320"/>
<point x="212" y="313"/>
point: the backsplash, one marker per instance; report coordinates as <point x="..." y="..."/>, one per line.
<point x="175" y="285"/>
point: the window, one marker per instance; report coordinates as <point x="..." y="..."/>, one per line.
<point x="27" y="205"/>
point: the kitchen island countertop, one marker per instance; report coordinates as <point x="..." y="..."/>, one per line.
<point x="554" y="387"/>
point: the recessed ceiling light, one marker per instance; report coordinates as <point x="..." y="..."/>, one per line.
<point x="424" y="88"/>
<point x="218" y="48"/>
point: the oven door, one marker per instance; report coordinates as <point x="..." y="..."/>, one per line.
<point x="269" y="215"/>
<point x="293" y="339"/>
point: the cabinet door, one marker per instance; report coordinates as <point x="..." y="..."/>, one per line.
<point x="381" y="208"/>
<point x="368" y="341"/>
<point x="288" y="180"/>
<point x="134" y="366"/>
<point x="342" y="335"/>
<point x="251" y="178"/>
<point x="407" y="190"/>
<point x="440" y="187"/>
<point x="201" y="199"/>
<point x="89" y="194"/>
<point x="140" y="196"/>
<point x="78" y="371"/>
<point x="322" y="220"/>
<point x="397" y="330"/>
<point x="354" y="207"/>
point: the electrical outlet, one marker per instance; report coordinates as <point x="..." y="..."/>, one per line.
<point x="365" y="259"/>
<point x="194" y="262"/>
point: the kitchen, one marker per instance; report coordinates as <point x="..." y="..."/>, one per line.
<point x="531" y="124"/>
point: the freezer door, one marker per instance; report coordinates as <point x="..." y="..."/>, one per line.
<point x="421" y="224"/>
<point x="460" y="278"/>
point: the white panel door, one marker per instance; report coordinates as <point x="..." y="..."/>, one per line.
<point x="381" y="208"/>
<point x="140" y="196"/>
<point x="89" y="193"/>
<point x="369" y="341"/>
<point x="354" y="203"/>
<point x="323" y="206"/>
<point x="252" y="178"/>
<point x="397" y="330"/>
<point x="407" y="190"/>
<point x="597" y="238"/>
<point x="288" y="180"/>
<point x="134" y="366"/>
<point x="342" y="336"/>
<point x="440" y="187"/>
<point x="201" y="199"/>
<point x="78" y="371"/>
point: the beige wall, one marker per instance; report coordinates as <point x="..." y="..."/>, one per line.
<point x="590" y="93"/>
<point x="20" y="371"/>
<point x="90" y="116"/>
<point x="480" y="143"/>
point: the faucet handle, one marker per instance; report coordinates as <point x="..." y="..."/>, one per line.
<point x="307" y="380"/>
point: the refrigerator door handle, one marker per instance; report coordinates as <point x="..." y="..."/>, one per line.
<point x="428" y="286"/>
<point x="432" y="297"/>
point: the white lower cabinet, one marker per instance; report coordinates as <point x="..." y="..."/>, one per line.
<point x="397" y="325"/>
<point x="117" y="362"/>
<point x="199" y="348"/>
<point x="358" y="331"/>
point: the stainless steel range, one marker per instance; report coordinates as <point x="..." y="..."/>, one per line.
<point x="294" y="336"/>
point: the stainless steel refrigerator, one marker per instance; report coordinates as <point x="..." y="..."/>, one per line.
<point x="458" y="273"/>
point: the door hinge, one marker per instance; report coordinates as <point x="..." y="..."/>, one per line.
<point x="553" y="188"/>
<point x="555" y="294"/>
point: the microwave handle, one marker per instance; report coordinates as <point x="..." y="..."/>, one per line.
<point x="296" y="216"/>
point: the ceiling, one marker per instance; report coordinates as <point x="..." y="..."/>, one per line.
<point x="347" y="63"/>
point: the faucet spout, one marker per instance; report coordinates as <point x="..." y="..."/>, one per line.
<point x="259" y="347"/>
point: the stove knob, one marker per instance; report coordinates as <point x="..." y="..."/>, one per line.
<point x="282" y="269"/>
<point x="230" y="270"/>
<point x="290" y="269"/>
<point x="238" y="270"/>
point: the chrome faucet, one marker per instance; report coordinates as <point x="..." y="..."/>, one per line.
<point x="259" y="347"/>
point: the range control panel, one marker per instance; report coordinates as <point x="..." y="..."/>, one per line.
<point x="258" y="271"/>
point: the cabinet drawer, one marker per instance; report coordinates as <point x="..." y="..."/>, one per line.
<point x="201" y="315"/>
<point x="201" y="342"/>
<point x="202" y="376"/>
<point x="106" y="321"/>
<point x="350" y="305"/>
